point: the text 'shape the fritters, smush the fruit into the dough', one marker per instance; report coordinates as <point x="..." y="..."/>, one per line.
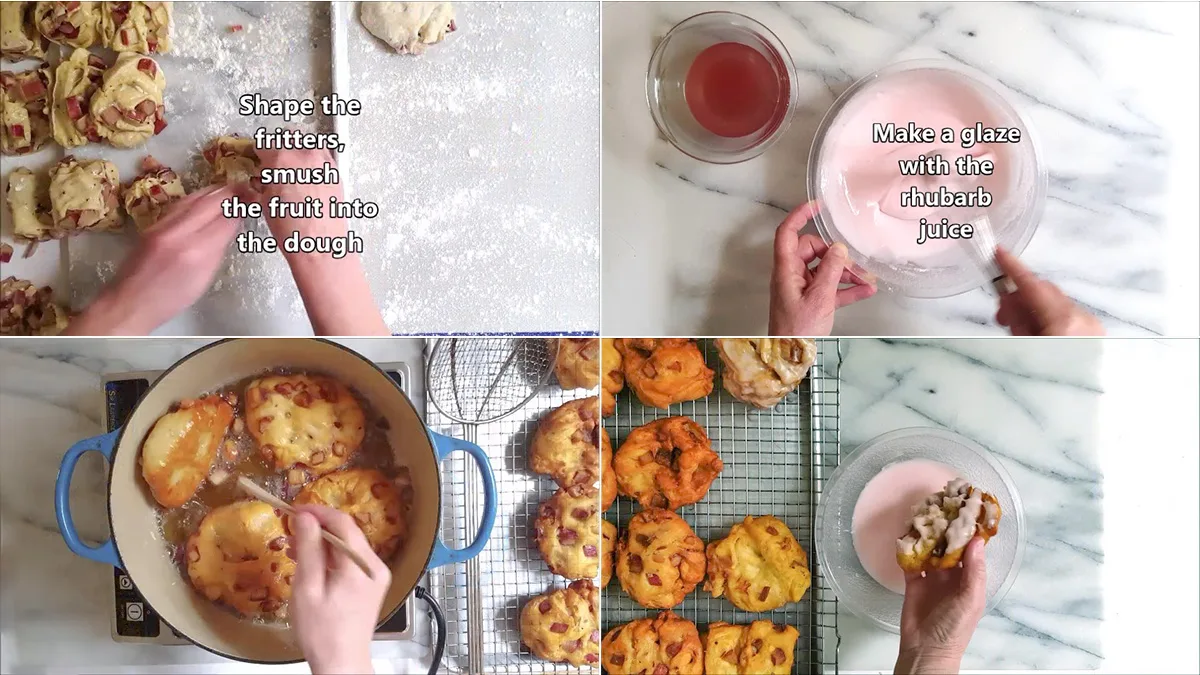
<point x="305" y="420"/>
<point x="29" y="200"/>
<point x="608" y="479"/>
<point x="128" y="106"/>
<point x="667" y="463"/>
<point x="75" y="81"/>
<point x="761" y="648"/>
<point x="75" y="24"/>
<point x="19" y="36"/>
<point x="761" y="371"/>
<point x="24" y="110"/>
<point x="26" y="309"/>
<point x="178" y="453"/>
<point x="608" y="550"/>
<point x="664" y="371"/>
<point x="148" y="196"/>
<point x="944" y="523"/>
<point x="238" y="557"/>
<point x="141" y="27"/>
<point x="667" y="644"/>
<point x="408" y="27"/>
<point x="613" y="380"/>
<point x="376" y="503"/>
<point x="567" y="531"/>
<point x="576" y="362"/>
<point x="659" y="559"/>
<point x="563" y="625"/>
<point x="566" y="445"/>
<point x="84" y="195"/>
<point x="233" y="159"/>
<point x="759" y="567"/>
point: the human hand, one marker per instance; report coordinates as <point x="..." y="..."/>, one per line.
<point x="335" y="605"/>
<point x="1038" y="307"/>
<point x="940" y="614"/>
<point x="803" y="300"/>
<point x="173" y="265"/>
<point x="283" y="227"/>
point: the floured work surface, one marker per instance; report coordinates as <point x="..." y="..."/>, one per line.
<point x="483" y="155"/>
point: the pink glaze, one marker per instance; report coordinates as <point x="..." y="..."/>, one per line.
<point x="861" y="182"/>
<point x="883" y="513"/>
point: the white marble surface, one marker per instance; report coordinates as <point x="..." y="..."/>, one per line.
<point x="1072" y="421"/>
<point x="1111" y="89"/>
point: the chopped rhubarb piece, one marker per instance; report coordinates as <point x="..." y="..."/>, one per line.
<point x="67" y="30"/>
<point x="96" y="62"/>
<point x="18" y="131"/>
<point x="159" y="124"/>
<point x="111" y="115"/>
<point x="235" y="28"/>
<point x="152" y="44"/>
<point x="147" y="66"/>
<point x="74" y="109"/>
<point x="32" y="88"/>
<point x="146" y="108"/>
<point x="125" y="37"/>
<point x="72" y="6"/>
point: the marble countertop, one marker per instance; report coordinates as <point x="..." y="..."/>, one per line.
<point x="1111" y="89"/>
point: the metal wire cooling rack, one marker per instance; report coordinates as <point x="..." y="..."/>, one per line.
<point x="483" y="598"/>
<point x="776" y="462"/>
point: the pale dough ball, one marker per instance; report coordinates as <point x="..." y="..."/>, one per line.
<point x="408" y="26"/>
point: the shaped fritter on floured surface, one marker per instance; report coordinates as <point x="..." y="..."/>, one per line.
<point x="301" y="419"/>
<point x="238" y="557"/>
<point x="944" y="523"/>
<point x="761" y="648"/>
<point x="664" y="371"/>
<point x="666" y="645"/>
<point x="178" y="453"/>
<point x="564" y="624"/>
<point x="759" y="567"/>
<point x="375" y="502"/>
<point x="667" y="463"/>
<point x="761" y="371"/>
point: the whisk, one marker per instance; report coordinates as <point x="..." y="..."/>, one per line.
<point x="981" y="247"/>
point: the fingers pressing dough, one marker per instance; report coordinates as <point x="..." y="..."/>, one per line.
<point x="232" y="159"/>
<point x="149" y="195"/>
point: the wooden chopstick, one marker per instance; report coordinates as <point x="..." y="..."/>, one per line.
<point x="255" y="490"/>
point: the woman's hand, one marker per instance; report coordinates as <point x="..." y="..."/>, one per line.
<point x="335" y="605"/>
<point x="941" y="611"/>
<point x="803" y="300"/>
<point x="173" y="265"/>
<point x="1038" y="307"/>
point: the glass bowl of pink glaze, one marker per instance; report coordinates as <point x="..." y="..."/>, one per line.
<point x="837" y="553"/>
<point x="721" y="87"/>
<point x="858" y="180"/>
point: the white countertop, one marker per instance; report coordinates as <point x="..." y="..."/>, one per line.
<point x="1080" y="425"/>
<point x="1111" y="89"/>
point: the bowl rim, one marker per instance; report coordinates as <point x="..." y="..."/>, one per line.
<point x="907" y="432"/>
<point x="775" y="43"/>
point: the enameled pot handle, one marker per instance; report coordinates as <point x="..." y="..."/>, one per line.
<point x="442" y="554"/>
<point x="105" y="445"/>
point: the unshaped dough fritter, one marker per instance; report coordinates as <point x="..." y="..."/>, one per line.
<point x="19" y="37"/>
<point x="179" y="451"/>
<point x="564" y="624"/>
<point x="608" y="551"/>
<point x="26" y="309"/>
<point x="233" y="159"/>
<point x="567" y="530"/>
<point x="238" y="556"/>
<point x="375" y="502"/>
<point x="944" y="523"/>
<point x="666" y="645"/>
<point x="761" y="371"/>
<point x="566" y="443"/>
<point x="608" y="479"/>
<point x="149" y="195"/>
<point x="29" y="200"/>
<point x="84" y="195"/>
<point x="667" y="463"/>
<point x="659" y="559"/>
<point x="128" y="107"/>
<point x="577" y="362"/>
<point x="75" y="81"/>
<point x="761" y="648"/>
<point x="664" y="371"/>
<point x="408" y="27"/>
<point x="302" y="419"/>
<point x="760" y="566"/>
<point x="24" y="111"/>
<point x="614" y="378"/>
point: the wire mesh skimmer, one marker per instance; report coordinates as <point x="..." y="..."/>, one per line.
<point x="480" y="380"/>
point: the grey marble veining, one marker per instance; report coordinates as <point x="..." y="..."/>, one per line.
<point x="688" y="245"/>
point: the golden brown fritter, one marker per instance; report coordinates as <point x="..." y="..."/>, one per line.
<point x="761" y="371"/>
<point x="577" y="363"/>
<point x="667" y="463"/>
<point x="375" y="502"/>
<point x="301" y="419"/>
<point x="566" y="444"/>
<point x="608" y="549"/>
<point x="944" y="524"/>
<point x="614" y="378"/>
<point x="179" y="451"/>
<point x="664" y="371"/>
<point x="564" y="624"/>
<point x="238" y="557"/>
<point x="659" y="559"/>
<point x="664" y="645"/>
<point x="567" y="531"/>
<point x="760" y="566"/>
<point x="761" y="648"/>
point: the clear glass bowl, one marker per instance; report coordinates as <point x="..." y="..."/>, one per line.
<point x="1013" y="225"/>
<point x="668" y="72"/>
<point x="854" y="587"/>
